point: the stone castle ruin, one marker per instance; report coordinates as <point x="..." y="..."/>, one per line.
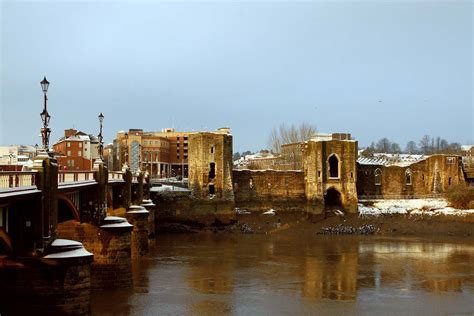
<point x="322" y="173"/>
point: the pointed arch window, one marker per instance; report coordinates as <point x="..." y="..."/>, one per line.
<point x="378" y="176"/>
<point x="333" y="162"/>
<point x="408" y="177"/>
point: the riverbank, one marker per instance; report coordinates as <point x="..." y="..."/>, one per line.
<point x="382" y="217"/>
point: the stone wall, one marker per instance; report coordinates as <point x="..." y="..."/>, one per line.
<point x="205" y="149"/>
<point x="183" y="208"/>
<point x="112" y="252"/>
<point x="33" y="286"/>
<point x="429" y="177"/>
<point x="253" y="185"/>
<point x="316" y="155"/>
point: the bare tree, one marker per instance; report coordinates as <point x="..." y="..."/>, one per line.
<point x="411" y="148"/>
<point x="290" y="138"/>
<point x="383" y="145"/>
<point x="289" y="134"/>
<point x="425" y="145"/>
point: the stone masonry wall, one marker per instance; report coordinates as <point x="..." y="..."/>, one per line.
<point x="433" y="175"/>
<point x="111" y="267"/>
<point x="316" y="169"/>
<point x="254" y="185"/>
<point x="257" y="190"/>
<point x="32" y="287"/>
<point x="204" y="149"/>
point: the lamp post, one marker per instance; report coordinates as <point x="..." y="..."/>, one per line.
<point x="45" y="117"/>
<point x="101" y="144"/>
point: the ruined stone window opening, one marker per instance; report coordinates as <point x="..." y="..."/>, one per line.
<point x="378" y="176"/>
<point x="450" y="160"/>
<point x="423" y="177"/>
<point x="408" y="177"/>
<point x="212" y="189"/>
<point x="333" y="162"/>
<point x="212" y="149"/>
<point x="251" y="183"/>
<point x="319" y="173"/>
<point x="449" y="181"/>
<point x="212" y="170"/>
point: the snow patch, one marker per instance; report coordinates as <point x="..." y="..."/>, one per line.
<point x="429" y="207"/>
<point x="270" y="212"/>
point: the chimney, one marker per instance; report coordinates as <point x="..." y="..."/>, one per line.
<point x="69" y="132"/>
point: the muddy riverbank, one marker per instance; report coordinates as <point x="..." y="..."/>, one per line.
<point x="385" y="224"/>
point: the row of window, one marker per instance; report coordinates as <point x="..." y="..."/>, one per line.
<point x="68" y="144"/>
<point x="79" y="153"/>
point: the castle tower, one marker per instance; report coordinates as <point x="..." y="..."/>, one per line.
<point x="210" y="165"/>
<point x="329" y="163"/>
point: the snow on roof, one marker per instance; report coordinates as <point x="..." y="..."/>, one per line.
<point x="401" y="160"/>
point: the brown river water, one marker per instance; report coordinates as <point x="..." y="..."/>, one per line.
<point x="298" y="274"/>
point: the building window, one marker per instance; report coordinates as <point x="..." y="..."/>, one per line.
<point x="333" y="166"/>
<point x="408" y="177"/>
<point x="378" y="176"/>
<point x="80" y="145"/>
<point x="251" y="183"/>
<point x="212" y="149"/>
<point x="68" y="144"/>
<point x="68" y="153"/>
<point x="79" y="153"/>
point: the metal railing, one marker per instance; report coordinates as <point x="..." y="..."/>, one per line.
<point x="75" y="176"/>
<point x="17" y="179"/>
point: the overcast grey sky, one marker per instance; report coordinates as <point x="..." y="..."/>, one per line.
<point x="399" y="69"/>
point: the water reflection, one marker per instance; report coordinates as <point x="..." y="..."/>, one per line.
<point x="234" y="274"/>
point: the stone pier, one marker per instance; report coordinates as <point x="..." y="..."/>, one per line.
<point x="112" y="265"/>
<point x="138" y="217"/>
<point x="57" y="283"/>
<point x="150" y="207"/>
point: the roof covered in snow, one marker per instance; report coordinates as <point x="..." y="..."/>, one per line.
<point x="401" y="160"/>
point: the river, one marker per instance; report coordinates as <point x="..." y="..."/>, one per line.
<point x="291" y="273"/>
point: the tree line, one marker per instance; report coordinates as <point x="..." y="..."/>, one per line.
<point x="427" y="145"/>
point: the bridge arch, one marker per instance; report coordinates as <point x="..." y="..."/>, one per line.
<point x="5" y="242"/>
<point x="67" y="210"/>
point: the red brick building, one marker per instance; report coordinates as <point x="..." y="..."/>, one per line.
<point x="76" y="150"/>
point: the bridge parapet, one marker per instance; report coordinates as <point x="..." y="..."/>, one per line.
<point x="18" y="179"/>
<point x="75" y="176"/>
<point x="115" y="175"/>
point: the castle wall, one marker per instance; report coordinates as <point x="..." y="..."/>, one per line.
<point x="318" y="181"/>
<point x="431" y="176"/>
<point x="206" y="149"/>
<point x="253" y="185"/>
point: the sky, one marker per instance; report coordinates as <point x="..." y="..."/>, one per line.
<point x="396" y="69"/>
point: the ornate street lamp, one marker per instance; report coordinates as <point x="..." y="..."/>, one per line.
<point x="101" y="144"/>
<point x="45" y="117"/>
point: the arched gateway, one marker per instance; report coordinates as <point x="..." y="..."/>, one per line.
<point x="332" y="199"/>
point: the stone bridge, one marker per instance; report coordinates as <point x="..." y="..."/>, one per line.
<point x="65" y="232"/>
